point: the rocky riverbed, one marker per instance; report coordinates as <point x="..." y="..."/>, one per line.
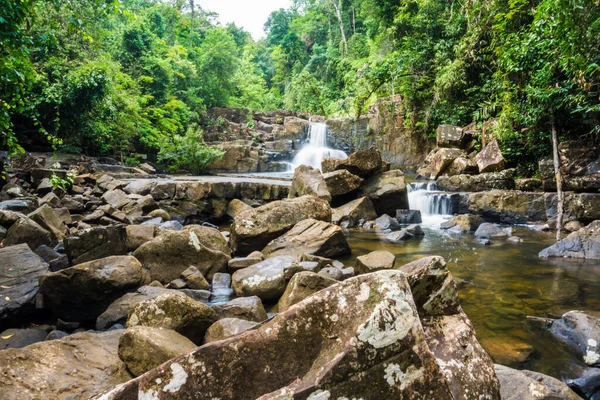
<point x="123" y="286"/>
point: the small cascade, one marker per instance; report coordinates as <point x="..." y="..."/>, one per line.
<point x="434" y="204"/>
<point x="316" y="149"/>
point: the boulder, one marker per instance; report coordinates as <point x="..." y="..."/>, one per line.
<point x="587" y="383"/>
<point x="242" y="262"/>
<point x="584" y="243"/>
<point x="248" y="308"/>
<point x="119" y="309"/>
<point x="581" y="332"/>
<point x="227" y="327"/>
<point x="528" y="185"/>
<point x="267" y="279"/>
<point x="29" y="232"/>
<point x="83" y="292"/>
<point x="350" y="214"/>
<point x="159" y="213"/>
<point x="503" y="180"/>
<point x="194" y="279"/>
<point x="463" y="223"/>
<point x="439" y="160"/>
<point x="142" y="187"/>
<point x="137" y="235"/>
<point x="490" y="158"/>
<point x="461" y="166"/>
<point x="329" y="164"/>
<point x="76" y="367"/>
<point x="116" y="198"/>
<point x="488" y="231"/>
<point x="332" y="273"/>
<point x="375" y="261"/>
<point x="254" y="229"/>
<point x="409" y="216"/>
<point x="309" y="182"/>
<point x="399" y="236"/>
<point x="95" y="243"/>
<point x="506" y="206"/>
<point x="19" y="338"/>
<point x="171" y="253"/>
<point x="530" y="385"/>
<point x="387" y="223"/>
<point x="368" y="341"/>
<point x="309" y="237"/>
<point x="341" y="182"/>
<point x="7" y="218"/>
<point x="49" y="220"/>
<point x="362" y="163"/>
<point x="236" y="207"/>
<point x="449" y="136"/>
<point x="20" y="271"/>
<point x="143" y="348"/>
<point x="302" y="285"/>
<point x="180" y="313"/>
<point x="387" y="191"/>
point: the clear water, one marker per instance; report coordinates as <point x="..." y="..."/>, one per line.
<point x="500" y="286"/>
<point x="316" y="149"/>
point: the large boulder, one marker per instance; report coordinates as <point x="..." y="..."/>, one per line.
<point x="506" y="206"/>
<point x="95" y="243"/>
<point x="169" y="254"/>
<point x="490" y="158"/>
<point x="341" y="182"/>
<point x="310" y="237"/>
<point x="253" y="229"/>
<point x="503" y="180"/>
<point x="581" y="332"/>
<point x="267" y="279"/>
<point x="360" y="337"/>
<point x="50" y="221"/>
<point x="19" y="338"/>
<point x="530" y="385"/>
<point x="302" y="285"/>
<point x="487" y="230"/>
<point x="362" y="163"/>
<point x="25" y="230"/>
<point x="248" y="308"/>
<point x="180" y="313"/>
<point x="83" y="292"/>
<point x="118" y="310"/>
<point x="350" y="214"/>
<point x="387" y="191"/>
<point x="375" y="261"/>
<point x="584" y="243"/>
<point x="449" y="136"/>
<point x="76" y="367"/>
<point x="143" y="348"/>
<point x="462" y="223"/>
<point x="20" y="271"/>
<point x="438" y="161"/>
<point x="227" y="327"/>
<point x="116" y="198"/>
<point x="309" y="182"/>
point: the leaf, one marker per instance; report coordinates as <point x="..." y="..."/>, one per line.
<point x="7" y="337"/>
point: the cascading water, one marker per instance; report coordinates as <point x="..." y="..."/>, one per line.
<point x="435" y="206"/>
<point x="316" y="149"/>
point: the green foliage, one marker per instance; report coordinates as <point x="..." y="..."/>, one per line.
<point x="188" y="152"/>
<point x="58" y="182"/>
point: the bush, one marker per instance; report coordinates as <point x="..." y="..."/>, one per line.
<point x="188" y="152"/>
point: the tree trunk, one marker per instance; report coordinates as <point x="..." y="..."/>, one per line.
<point x="192" y="24"/>
<point x="557" y="173"/>
<point x="338" y="12"/>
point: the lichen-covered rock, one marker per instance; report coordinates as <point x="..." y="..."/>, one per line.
<point x="503" y="180"/>
<point x="82" y="292"/>
<point x="506" y="206"/>
<point x="462" y="223"/>
<point x="309" y="182"/>
<point x="490" y="158"/>
<point x="375" y="261"/>
<point x="438" y="161"/>
<point x="310" y="236"/>
<point x="360" y="338"/>
<point x="20" y="271"/>
<point x="530" y="385"/>
<point x="254" y="229"/>
<point x="248" y="308"/>
<point x="77" y="367"/>
<point x="351" y="213"/>
<point x="362" y="163"/>
<point x="180" y="313"/>
<point x="227" y="327"/>
<point x="171" y="253"/>
<point x="267" y="279"/>
<point x="341" y="182"/>
<point x="449" y="136"/>
<point x="584" y="243"/>
<point x="301" y="286"/>
<point x="387" y="191"/>
<point x="119" y="309"/>
<point x="143" y="348"/>
<point x="581" y="332"/>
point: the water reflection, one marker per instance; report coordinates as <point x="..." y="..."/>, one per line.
<point x="500" y="285"/>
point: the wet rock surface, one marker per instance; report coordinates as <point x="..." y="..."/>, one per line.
<point x="581" y="332"/>
<point x="529" y="385"/>
<point x="584" y="243"/>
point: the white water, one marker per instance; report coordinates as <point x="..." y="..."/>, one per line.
<point x="316" y="149"/>
<point x="435" y="206"/>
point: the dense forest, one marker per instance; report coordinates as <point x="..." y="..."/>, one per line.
<point x="132" y="76"/>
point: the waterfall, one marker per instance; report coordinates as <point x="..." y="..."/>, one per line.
<point x="435" y="205"/>
<point x="313" y="152"/>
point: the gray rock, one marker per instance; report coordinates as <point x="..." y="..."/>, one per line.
<point x="375" y="261"/>
<point x="387" y="191"/>
<point x="95" y="243"/>
<point x="490" y="158"/>
<point x="331" y="273"/>
<point x="47" y="219"/>
<point x="581" y="332"/>
<point x="585" y="243"/>
<point x="409" y="216"/>
<point x="387" y="223"/>
<point x="247" y="308"/>
<point x="529" y="385"/>
<point x="341" y="182"/>
<point x="227" y="327"/>
<point x="309" y="181"/>
<point x="194" y="279"/>
<point x="463" y="223"/>
<point x="242" y="262"/>
<point x="587" y="383"/>
<point x="487" y="231"/>
<point x="116" y="198"/>
<point x="28" y="231"/>
<point x="301" y="286"/>
<point x="19" y="338"/>
<point x="266" y="279"/>
<point x="352" y="213"/>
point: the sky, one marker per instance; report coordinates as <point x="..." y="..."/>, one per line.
<point x="249" y="14"/>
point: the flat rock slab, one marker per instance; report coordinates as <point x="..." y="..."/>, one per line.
<point x="20" y="271"/>
<point x="76" y="367"/>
